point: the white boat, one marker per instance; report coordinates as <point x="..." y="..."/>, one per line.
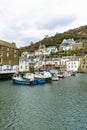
<point x="60" y="75"/>
<point x="47" y="75"/>
<point x="67" y="74"/>
<point x="55" y="78"/>
<point x="28" y="76"/>
<point x="36" y="76"/>
<point x="19" y="79"/>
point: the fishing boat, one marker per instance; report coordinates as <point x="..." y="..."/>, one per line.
<point x="60" y="75"/>
<point x="28" y="76"/>
<point x="36" y="76"/>
<point x="73" y="74"/>
<point x="41" y="81"/>
<point x="54" y="76"/>
<point x="39" y="77"/>
<point x="18" y="79"/>
<point x="47" y="75"/>
<point x="67" y="74"/>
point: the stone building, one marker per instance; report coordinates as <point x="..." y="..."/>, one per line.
<point x="8" y="56"/>
<point x="84" y="64"/>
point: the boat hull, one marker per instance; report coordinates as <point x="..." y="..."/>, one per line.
<point x="20" y="82"/>
<point x="41" y="81"/>
<point x="49" y="79"/>
<point x="55" y="78"/>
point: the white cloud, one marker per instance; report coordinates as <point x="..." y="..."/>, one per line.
<point x="23" y="21"/>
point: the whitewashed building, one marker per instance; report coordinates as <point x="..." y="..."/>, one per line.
<point x="66" y="45"/>
<point x="64" y="61"/>
<point x="24" y="62"/>
<point x="46" y="51"/>
<point x="52" y="49"/>
<point x="73" y="65"/>
<point x="41" y="51"/>
<point x="70" y="44"/>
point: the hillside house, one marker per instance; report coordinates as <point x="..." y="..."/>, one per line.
<point x="46" y="51"/>
<point x="83" y="67"/>
<point x="70" y="44"/>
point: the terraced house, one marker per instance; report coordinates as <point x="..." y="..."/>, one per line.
<point x="8" y="56"/>
<point x="84" y="64"/>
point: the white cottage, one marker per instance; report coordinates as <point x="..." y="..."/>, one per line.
<point x="73" y="65"/>
<point x="70" y="44"/>
<point x="45" y="51"/>
<point x="24" y="62"/>
<point x="52" y="49"/>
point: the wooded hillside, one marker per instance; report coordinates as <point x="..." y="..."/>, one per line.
<point x="78" y="34"/>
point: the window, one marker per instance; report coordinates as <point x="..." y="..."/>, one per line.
<point x="0" y="68"/>
<point x="26" y="67"/>
<point x="14" y="55"/>
<point x="7" y="49"/>
<point x="0" y="53"/>
<point x="14" y="51"/>
<point x="0" y="61"/>
<point x="9" y="62"/>
<point x="7" y="54"/>
<point x="0" y="50"/>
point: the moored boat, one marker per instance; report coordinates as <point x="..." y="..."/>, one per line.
<point x="73" y="74"/>
<point x="55" y="78"/>
<point x="36" y="76"/>
<point x="47" y="75"/>
<point x="21" y="81"/>
<point x="67" y="74"/>
<point x="41" y="81"/>
<point x="60" y="75"/>
<point x="28" y="76"/>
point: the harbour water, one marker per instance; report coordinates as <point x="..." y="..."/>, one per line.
<point x="60" y="105"/>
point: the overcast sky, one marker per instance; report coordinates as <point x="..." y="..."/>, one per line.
<point x="23" y="21"/>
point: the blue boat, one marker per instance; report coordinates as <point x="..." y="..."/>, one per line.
<point x="47" y="75"/>
<point x="21" y="81"/>
<point x="37" y="78"/>
<point x="41" y="81"/>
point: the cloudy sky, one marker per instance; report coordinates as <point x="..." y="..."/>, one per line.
<point x="23" y="21"/>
